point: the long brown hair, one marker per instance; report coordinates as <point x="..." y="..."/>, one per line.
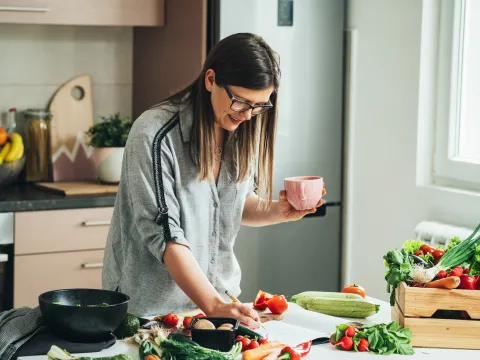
<point x="244" y="60"/>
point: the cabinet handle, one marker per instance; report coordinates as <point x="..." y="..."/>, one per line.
<point x="92" y="266"/>
<point x="23" y="8"/>
<point x="96" y="223"/>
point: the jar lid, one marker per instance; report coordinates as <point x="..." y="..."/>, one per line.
<point x="40" y="114"/>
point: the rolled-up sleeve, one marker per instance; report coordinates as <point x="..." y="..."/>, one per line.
<point x="139" y="166"/>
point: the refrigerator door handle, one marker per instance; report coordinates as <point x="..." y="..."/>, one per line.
<point x="322" y="210"/>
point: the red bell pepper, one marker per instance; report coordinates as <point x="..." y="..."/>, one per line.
<point x="288" y="353"/>
<point x="304" y="348"/>
<point x="261" y="300"/>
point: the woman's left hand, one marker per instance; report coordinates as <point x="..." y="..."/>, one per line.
<point x="289" y="213"/>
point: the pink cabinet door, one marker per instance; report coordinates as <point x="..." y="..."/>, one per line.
<point x="83" y="12"/>
<point x="52" y="231"/>
<point x="36" y="274"/>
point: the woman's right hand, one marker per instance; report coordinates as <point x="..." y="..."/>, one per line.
<point x="244" y="313"/>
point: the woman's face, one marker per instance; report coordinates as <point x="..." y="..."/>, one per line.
<point x="225" y="117"/>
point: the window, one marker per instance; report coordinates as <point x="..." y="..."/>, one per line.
<point x="457" y="140"/>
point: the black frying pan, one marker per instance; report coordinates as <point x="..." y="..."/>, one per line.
<point x="83" y="315"/>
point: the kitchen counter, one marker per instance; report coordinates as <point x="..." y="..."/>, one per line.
<point x="296" y="315"/>
<point x="28" y="197"/>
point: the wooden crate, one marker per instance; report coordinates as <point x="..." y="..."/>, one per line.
<point x="414" y="308"/>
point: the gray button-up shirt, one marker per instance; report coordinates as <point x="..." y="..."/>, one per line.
<point x="160" y="199"/>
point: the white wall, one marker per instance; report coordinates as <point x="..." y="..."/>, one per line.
<point x="36" y="59"/>
<point x="388" y="194"/>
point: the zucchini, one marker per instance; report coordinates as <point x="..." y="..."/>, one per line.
<point x="243" y="331"/>
<point x="350" y="308"/>
<point x="305" y="297"/>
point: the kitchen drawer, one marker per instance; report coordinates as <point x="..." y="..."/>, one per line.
<point x="61" y="230"/>
<point x="35" y="274"/>
<point x="83" y="12"/>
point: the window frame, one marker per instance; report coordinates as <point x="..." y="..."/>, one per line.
<point x="448" y="169"/>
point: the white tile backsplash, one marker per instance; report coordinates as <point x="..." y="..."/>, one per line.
<point x="37" y="59"/>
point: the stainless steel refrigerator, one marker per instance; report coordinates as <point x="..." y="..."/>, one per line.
<point x="309" y="37"/>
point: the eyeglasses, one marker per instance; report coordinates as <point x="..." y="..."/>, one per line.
<point x="240" y="105"/>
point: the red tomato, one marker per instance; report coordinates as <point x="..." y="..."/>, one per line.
<point x="186" y="321"/>
<point x="277" y="304"/>
<point x="466" y="270"/>
<point x="239" y="338"/>
<point x="437" y="255"/>
<point x="261" y="300"/>
<point x="262" y="341"/>
<point x="350" y="331"/>
<point x="200" y="316"/>
<point x="456" y="271"/>
<point x="441" y="274"/>
<point x="362" y="345"/>
<point x="245" y="343"/>
<point x="354" y="289"/>
<point x="253" y="344"/>
<point x="418" y="253"/>
<point x="427" y="249"/>
<point x="170" y="320"/>
<point x="467" y="282"/>
<point x="345" y="344"/>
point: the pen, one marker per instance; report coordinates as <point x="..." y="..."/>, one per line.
<point x="234" y="299"/>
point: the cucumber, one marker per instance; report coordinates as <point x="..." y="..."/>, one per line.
<point x="243" y="331"/>
<point x="350" y="308"/>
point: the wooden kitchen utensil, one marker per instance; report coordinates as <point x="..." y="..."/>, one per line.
<point x="72" y="116"/>
<point x="79" y="187"/>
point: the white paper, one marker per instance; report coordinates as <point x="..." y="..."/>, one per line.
<point x="290" y="334"/>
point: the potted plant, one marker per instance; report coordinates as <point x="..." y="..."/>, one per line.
<point x="108" y="138"/>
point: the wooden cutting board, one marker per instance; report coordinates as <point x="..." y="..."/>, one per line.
<point x="72" y="115"/>
<point x="79" y="188"/>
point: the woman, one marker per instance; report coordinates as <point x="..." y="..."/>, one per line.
<point x="188" y="184"/>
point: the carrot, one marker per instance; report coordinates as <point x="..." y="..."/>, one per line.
<point x="274" y="354"/>
<point x="261" y="351"/>
<point x="450" y="282"/>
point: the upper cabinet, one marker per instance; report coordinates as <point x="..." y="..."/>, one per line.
<point x="83" y="12"/>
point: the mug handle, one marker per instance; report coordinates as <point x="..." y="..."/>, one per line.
<point x="302" y="191"/>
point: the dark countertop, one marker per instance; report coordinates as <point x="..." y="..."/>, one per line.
<point x="28" y="197"/>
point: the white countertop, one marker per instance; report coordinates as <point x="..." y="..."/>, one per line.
<point x="295" y="315"/>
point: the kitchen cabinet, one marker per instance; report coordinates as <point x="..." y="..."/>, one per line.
<point x="58" y="249"/>
<point x="35" y="274"/>
<point x="167" y="59"/>
<point x="83" y="12"/>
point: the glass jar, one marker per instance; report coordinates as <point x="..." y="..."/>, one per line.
<point x="38" y="153"/>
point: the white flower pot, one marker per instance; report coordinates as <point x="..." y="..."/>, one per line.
<point x="108" y="163"/>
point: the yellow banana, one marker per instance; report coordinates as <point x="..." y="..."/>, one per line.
<point x="5" y="150"/>
<point x="16" y="152"/>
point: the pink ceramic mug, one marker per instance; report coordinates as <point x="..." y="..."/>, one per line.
<point x="304" y="192"/>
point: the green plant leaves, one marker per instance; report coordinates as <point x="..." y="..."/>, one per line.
<point x="110" y="132"/>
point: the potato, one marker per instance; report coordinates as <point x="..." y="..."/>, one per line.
<point x="225" y="326"/>
<point x="204" y="324"/>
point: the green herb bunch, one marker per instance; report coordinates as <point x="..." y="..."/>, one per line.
<point x="111" y="131"/>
